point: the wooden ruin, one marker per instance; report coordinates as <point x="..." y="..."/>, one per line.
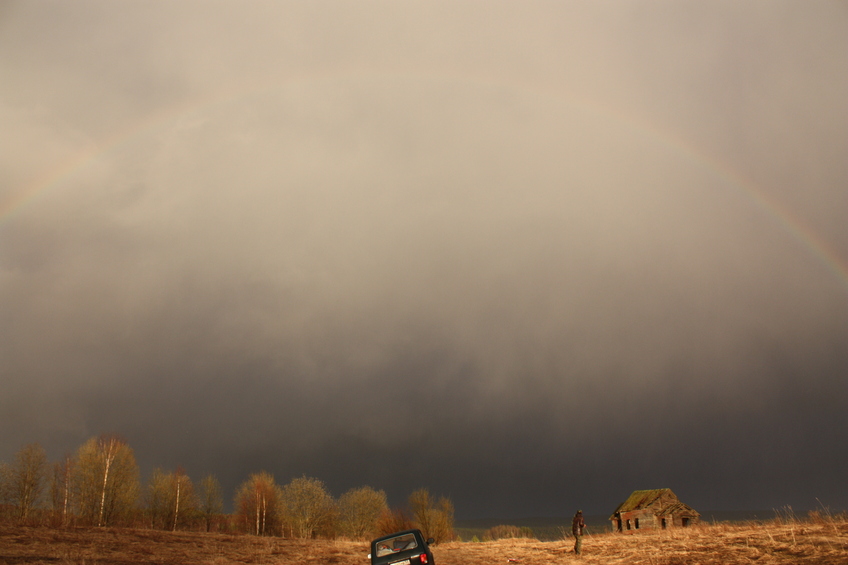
<point x="656" y="509"/>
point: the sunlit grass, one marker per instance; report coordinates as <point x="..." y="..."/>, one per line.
<point x="821" y="539"/>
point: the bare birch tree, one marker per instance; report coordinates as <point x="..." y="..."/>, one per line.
<point x="359" y="510"/>
<point x="257" y="504"/>
<point x="185" y="501"/>
<point x="27" y="479"/>
<point x="61" y="489"/>
<point x="180" y="482"/>
<point x="170" y="499"/>
<point x="307" y="506"/>
<point x="106" y="481"/>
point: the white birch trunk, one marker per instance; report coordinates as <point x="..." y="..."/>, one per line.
<point x="264" y="513"/>
<point x="257" y="513"/>
<point x="110" y="457"/>
<point x="66" y="499"/>
<point x="177" y="505"/>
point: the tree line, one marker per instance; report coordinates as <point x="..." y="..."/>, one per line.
<point x="100" y="485"/>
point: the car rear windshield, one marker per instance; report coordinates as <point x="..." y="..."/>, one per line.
<point x="395" y="544"/>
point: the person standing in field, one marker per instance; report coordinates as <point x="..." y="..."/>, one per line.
<point x="577" y="528"/>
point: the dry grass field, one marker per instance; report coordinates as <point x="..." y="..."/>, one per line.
<point x="822" y="541"/>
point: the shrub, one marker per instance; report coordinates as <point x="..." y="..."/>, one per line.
<point x="507" y="532"/>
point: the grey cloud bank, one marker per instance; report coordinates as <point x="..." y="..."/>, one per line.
<point x="571" y="250"/>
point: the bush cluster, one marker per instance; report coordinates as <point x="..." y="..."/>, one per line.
<point x="507" y="532"/>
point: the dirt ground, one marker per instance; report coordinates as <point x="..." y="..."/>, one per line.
<point x="825" y="542"/>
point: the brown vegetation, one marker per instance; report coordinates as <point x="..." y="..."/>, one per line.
<point x="507" y="532"/>
<point x="118" y="546"/>
<point x="819" y="540"/>
<point x="100" y="486"/>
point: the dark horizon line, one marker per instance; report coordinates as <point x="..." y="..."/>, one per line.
<point x="706" y="516"/>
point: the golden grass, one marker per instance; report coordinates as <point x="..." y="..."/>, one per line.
<point x="816" y="541"/>
<point x="720" y="544"/>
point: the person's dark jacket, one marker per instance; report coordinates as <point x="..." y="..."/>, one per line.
<point x="577" y="524"/>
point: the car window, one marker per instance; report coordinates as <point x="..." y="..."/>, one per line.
<point x="395" y="544"/>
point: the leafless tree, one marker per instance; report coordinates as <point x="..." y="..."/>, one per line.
<point x="171" y="500"/>
<point x="184" y="499"/>
<point x="307" y="506"/>
<point x="156" y="499"/>
<point x="27" y="479"/>
<point x="211" y="501"/>
<point x="5" y="490"/>
<point x="257" y="504"/>
<point x="393" y="520"/>
<point x="421" y="505"/>
<point x="359" y="510"/>
<point x="106" y="482"/>
<point x="442" y="523"/>
<point x="434" y="518"/>
<point x="61" y="490"/>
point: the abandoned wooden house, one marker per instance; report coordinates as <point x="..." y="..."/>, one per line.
<point x="652" y="509"/>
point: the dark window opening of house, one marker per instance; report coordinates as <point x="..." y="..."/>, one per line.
<point x="685" y="522"/>
<point x="619" y="524"/>
<point x="663" y="523"/>
<point x="636" y="523"/>
<point x="628" y="523"/>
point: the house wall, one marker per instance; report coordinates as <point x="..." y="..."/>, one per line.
<point x="683" y="520"/>
<point x="635" y="521"/>
<point x="650" y="522"/>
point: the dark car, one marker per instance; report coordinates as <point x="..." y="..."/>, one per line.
<point x="401" y="548"/>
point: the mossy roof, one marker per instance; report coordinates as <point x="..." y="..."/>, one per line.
<point x="663" y="501"/>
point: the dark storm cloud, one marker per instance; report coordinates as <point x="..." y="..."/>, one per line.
<point x="314" y="235"/>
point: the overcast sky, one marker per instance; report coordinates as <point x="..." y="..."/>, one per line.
<point x="531" y="256"/>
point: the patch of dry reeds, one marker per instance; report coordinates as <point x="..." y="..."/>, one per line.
<point x="775" y="542"/>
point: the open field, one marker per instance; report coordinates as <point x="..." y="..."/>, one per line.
<point x="822" y="542"/>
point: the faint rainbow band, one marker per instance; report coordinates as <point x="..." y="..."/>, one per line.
<point x="790" y="223"/>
